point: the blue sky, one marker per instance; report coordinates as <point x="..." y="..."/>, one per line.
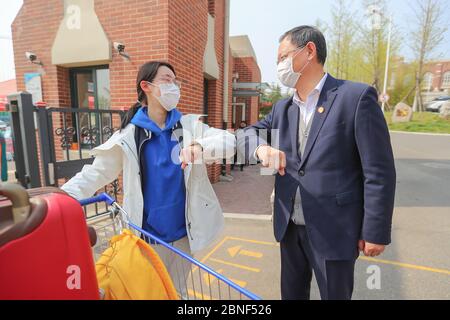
<point x="262" y="20"/>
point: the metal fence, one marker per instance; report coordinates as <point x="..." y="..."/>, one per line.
<point x="65" y="137"/>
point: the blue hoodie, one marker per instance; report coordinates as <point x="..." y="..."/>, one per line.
<point x="162" y="178"/>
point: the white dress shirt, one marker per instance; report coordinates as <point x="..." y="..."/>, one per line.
<point x="307" y="108"/>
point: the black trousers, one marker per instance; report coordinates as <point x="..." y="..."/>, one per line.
<point x="298" y="260"/>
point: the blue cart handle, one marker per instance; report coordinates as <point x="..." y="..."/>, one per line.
<point x="102" y="197"/>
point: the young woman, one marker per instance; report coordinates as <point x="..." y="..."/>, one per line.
<point x="162" y="155"/>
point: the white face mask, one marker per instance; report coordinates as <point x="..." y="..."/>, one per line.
<point x="286" y="74"/>
<point x="170" y="95"/>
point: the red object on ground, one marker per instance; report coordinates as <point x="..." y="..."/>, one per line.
<point x="55" y="260"/>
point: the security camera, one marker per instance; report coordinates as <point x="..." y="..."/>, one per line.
<point x="31" y="56"/>
<point x="119" y="46"/>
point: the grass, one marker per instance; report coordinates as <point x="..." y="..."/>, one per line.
<point x="421" y="122"/>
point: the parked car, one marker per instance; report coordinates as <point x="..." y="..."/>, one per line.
<point x="436" y="104"/>
<point x="6" y="132"/>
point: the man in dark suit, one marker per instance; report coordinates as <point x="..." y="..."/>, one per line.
<point x="335" y="181"/>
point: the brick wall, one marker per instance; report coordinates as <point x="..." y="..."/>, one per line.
<point x="175" y="31"/>
<point x="143" y="27"/>
<point x="438" y="69"/>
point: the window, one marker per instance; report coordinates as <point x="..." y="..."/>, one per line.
<point x="446" y="80"/>
<point x="90" y="89"/>
<point x="427" y="79"/>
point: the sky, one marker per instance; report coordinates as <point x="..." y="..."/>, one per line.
<point x="262" y="20"/>
<point x="8" y="11"/>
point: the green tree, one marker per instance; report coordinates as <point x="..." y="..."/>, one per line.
<point x="429" y="32"/>
<point x="401" y="81"/>
<point x="271" y="96"/>
<point x="373" y="40"/>
<point x="357" y="41"/>
<point x="341" y="40"/>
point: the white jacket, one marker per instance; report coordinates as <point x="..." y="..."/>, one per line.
<point x="204" y="216"/>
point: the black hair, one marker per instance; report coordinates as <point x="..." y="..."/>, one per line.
<point x="300" y="36"/>
<point x="147" y="72"/>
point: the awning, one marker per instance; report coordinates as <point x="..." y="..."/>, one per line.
<point x="80" y="40"/>
<point x="210" y="65"/>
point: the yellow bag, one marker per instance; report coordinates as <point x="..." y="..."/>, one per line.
<point x="131" y="270"/>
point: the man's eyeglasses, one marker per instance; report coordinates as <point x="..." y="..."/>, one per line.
<point x="283" y="57"/>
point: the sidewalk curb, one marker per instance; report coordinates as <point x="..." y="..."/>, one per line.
<point x="248" y="216"/>
<point x="422" y="133"/>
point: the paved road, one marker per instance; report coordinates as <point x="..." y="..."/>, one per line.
<point x="249" y="192"/>
<point x="415" y="266"/>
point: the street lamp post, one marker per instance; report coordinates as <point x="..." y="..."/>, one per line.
<point x="387" y="64"/>
<point x="376" y="14"/>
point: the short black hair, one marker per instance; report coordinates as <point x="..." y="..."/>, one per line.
<point x="301" y="35"/>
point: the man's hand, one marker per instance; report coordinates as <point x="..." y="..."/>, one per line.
<point x="370" y="249"/>
<point x="272" y="158"/>
<point x="190" y="153"/>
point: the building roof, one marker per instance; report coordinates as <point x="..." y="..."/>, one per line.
<point x="8" y="87"/>
<point x="241" y="47"/>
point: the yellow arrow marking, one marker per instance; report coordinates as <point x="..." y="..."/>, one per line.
<point x="235" y="265"/>
<point x="237" y="250"/>
<point x="251" y="254"/>
<point x="234" y="250"/>
<point x="210" y="279"/>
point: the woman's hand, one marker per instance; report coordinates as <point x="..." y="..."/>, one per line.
<point x="190" y="153"/>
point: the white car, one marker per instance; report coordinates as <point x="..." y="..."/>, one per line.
<point x="436" y="104"/>
<point x="8" y="140"/>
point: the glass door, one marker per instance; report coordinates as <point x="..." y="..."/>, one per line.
<point x="90" y="89"/>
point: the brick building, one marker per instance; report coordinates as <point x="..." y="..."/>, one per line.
<point x="76" y="42"/>
<point x="246" y="74"/>
<point x="436" y="80"/>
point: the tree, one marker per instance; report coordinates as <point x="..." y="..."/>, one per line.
<point x="374" y="40"/>
<point x="401" y="81"/>
<point x="425" y="37"/>
<point x="341" y="39"/>
<point x="270" y="97"/>
<point x="357" y="50"/>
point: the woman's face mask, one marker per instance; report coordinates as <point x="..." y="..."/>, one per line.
<point x="285" y="69"/>
<point x="170" y="95"/>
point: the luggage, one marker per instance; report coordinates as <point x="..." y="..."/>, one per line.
<point x="45" y="249"/>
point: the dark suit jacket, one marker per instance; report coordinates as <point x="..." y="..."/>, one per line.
<point x="346" y="175"/>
